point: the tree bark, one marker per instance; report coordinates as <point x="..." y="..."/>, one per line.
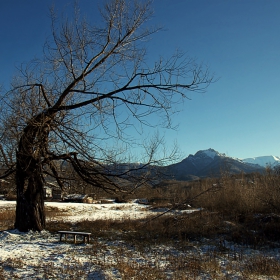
<point x="30" y="214"/>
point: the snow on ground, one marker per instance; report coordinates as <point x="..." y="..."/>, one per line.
<point x="36" y="255"/>
<point x="73" y="212"/>
<point x="41" y="255"/>
<point x="91" y="212"/>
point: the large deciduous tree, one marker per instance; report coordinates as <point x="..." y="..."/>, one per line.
<point x="92" y="85"/>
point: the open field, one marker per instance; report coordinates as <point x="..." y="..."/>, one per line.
<point x="187" y="243"/>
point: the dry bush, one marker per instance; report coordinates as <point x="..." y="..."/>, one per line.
<point x="257" y="230"/>
<point x="244" y="208"/>
<point x="255" y="194"/>
<point x="269" y="191"/>
<point x="231" y="199"/>
<point x="166" y="193"/>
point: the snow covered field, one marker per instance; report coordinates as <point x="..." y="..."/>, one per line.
<point x="36" y="255"/>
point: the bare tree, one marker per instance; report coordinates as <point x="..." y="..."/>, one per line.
<point x="92" y="86"/>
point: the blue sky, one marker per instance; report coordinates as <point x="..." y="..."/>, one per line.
<point x="238" y="39"/>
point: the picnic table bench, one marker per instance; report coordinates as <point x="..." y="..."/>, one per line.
<point x="86" y="235"/>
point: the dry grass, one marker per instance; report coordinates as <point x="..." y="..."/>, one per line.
<point x="262" y="265"/>
<point x="245" y="211"/>
<point x="254" y="194"/>
<point x="150" y="262"/>
<point x="7" y="218"/>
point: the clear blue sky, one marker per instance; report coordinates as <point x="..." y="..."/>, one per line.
<point x="240" y="41"/>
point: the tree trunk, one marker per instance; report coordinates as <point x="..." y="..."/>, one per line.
<point x="30" y="213"/>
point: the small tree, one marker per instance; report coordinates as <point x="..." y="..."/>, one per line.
<point x="92" y="85"/>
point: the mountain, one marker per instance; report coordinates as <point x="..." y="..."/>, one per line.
<point x="204" y="163"/>
<point x="209" y="163"/>
<point x="263" y="161"/>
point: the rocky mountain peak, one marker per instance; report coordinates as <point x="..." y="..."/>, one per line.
<point x="211" y="153"/>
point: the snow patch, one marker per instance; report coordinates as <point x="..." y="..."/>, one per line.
<point x="210" y="153"/>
